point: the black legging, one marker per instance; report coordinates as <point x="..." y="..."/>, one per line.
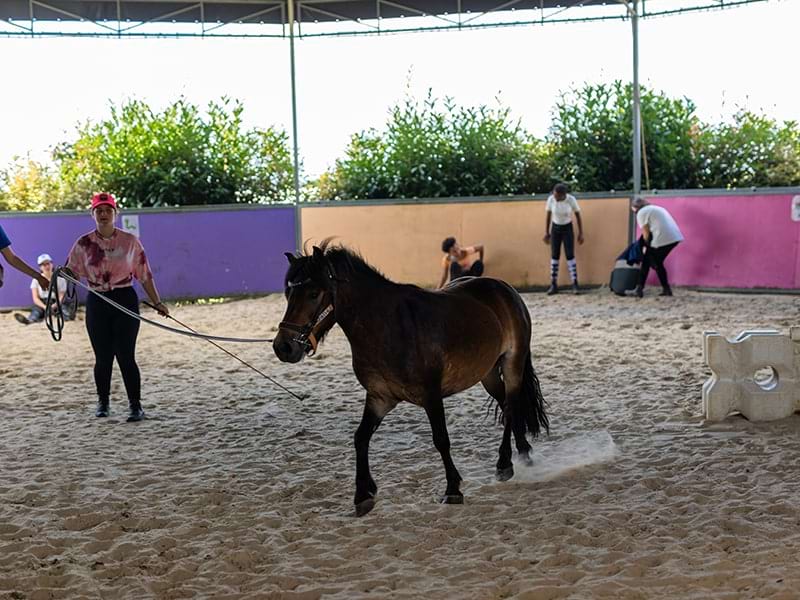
<point x="655" y="257"/>
<point x="475" y="270"/>
<point x="113" y="335"/>
<point x="559" y="234"/>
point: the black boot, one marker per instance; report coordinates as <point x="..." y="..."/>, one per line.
<point x="102" y="408"/>
<point x="667" y="291"/>
<point x="136" y="412"/>
<point x="639" y="291"/>
<point x="553" y="289"/>
<point x="575" y="288"/>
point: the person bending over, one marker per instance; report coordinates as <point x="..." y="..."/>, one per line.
<point x="661" y="234"/>
<point x="460" y="262"/>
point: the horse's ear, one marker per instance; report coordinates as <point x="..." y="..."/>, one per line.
<point x="319" y="254"/>
<point x="291" y="257"/>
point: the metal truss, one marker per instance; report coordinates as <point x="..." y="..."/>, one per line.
<point x="313" y="18"/>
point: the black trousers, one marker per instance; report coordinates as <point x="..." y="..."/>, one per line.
<point x="113" y="335"/>
<point x="475" y="270"/>
<point x="562" y="234"/>
<point x="655" y="257"/>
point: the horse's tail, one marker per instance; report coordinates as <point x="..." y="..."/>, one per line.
<point x="532" y="401"/>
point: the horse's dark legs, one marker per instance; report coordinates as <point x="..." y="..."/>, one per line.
<point x="512" y="378"/>
<point x="494" y="385"/>
<point x="505" y="468"/>
<point x="435" y="410"/>
<point x="374" y="411"/>
<point x="365" y="485"/>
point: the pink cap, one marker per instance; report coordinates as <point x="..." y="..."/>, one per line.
<point x="103" y="198"/>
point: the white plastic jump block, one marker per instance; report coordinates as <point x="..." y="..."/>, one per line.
<point x="734" y="387"/>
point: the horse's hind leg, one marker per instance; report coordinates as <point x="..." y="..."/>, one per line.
<point x="434" y="407"/>
<point x="513" y="373"/>
<point x="494" y="385"/>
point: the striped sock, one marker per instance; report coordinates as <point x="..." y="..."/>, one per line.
<point x="554" y="269"/>
<point x="573" y="270"/>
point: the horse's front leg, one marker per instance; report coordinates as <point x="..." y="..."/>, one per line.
<point x="366" y="489"/>
<point x="435" y="410"/>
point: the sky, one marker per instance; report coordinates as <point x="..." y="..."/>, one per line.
<point x="744" y="57"/>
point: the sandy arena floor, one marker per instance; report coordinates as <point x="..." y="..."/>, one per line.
<point x="233" y="489"/>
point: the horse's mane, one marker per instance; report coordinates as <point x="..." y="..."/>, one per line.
<point x="345" y="262"/>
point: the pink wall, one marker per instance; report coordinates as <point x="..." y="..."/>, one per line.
<point x="747" y="241"/>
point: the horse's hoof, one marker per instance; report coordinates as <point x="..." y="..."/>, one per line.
<point x="365" y="506"/>
<point x="504" y="474"/>
<point x="526" y="460"/>
<point x="453" y="499"/>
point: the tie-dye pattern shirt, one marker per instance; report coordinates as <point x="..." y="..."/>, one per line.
<point x="109" y="263"/>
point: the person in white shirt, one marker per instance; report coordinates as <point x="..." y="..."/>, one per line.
<point x="661" y="234"/>
<point x="561" y="207"/>
<point x="39" y="294"/>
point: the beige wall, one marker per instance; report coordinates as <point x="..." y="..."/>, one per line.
<point x="404" y="240"/>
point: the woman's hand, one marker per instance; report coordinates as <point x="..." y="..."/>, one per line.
<point x="580" y="238"/>
<point x="546" y="238"/>
<point x="161" y="308"/>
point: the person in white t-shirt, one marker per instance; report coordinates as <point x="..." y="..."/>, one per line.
<point x="661" y="234"/>
<point x="39" y="294"/>
<point x="561" y="207"/>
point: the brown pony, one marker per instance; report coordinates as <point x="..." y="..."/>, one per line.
<point x="418" y="346"/>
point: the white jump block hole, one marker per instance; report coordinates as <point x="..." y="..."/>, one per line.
<point x="756" y="374"/>
<point x="766" y="378"/>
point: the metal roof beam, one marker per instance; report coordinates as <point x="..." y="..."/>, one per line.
<point x="417" y="11"/>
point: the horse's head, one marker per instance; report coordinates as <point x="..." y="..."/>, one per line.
<point x="310" y="312"/>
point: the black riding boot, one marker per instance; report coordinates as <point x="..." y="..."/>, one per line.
<point x="553" y="289"/>
<point x="136" y="412"/>
<point x="102" y="408"/>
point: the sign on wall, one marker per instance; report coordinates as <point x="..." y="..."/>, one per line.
<point x="130" y="223"/>
<point x="796" y="208"/>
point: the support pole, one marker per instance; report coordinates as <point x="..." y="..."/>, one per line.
<point x="637" y="107"/>
<point x="633" y="11"/>
<point x="297" y="214"/>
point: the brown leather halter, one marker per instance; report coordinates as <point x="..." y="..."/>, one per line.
<point x="306" y="335"/>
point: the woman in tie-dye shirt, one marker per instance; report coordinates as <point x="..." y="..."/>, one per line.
<point x="109" y="259"/>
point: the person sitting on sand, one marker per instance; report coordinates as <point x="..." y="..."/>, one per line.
<point x="460" y="262"/>
<point x="39" y="294"/>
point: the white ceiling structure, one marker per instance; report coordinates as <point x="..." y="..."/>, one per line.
<point x="291" y="19"/>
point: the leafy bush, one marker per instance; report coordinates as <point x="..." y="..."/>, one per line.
<point x="26" y="184"/>
<point x="437" y="149"/>
<point x="177" y="157"/>
<point x="592" y="138"/>
<point x="753" y="150"/>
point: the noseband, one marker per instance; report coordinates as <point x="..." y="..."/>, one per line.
<point x="306" y="335"/>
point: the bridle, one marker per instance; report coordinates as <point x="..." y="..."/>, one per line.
<point x="306" y="335"/>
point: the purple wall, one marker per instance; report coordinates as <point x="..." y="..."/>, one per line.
<point x="193" y="253"/>
<point x="734" y="241"/>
